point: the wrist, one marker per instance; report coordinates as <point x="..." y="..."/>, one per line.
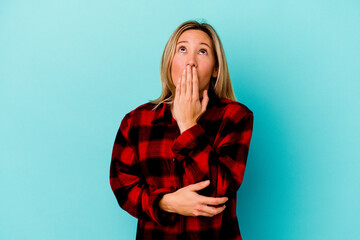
<point x="185" y="126"/>
<point x="165" y="203"/>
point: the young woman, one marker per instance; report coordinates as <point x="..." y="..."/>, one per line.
<point x="178" y="161"/>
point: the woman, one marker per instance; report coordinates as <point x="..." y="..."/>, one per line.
<point x="179" y="160"/>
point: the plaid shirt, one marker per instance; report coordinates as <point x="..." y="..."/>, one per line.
<point x="151" y="158"/>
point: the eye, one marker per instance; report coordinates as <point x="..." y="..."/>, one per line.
<point x="181" y="49"/>
<point x="203" y="51"/>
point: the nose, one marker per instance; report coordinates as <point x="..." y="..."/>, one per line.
<point x="191" y="60"/>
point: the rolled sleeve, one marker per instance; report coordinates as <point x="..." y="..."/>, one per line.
<point x="160" y="216"/>
<point x="187" y="141"/>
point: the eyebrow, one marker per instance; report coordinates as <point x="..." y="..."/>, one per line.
<point x="200" y="43"/>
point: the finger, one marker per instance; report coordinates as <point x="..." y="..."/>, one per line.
<point x="183" y="83"/>
<point x="195" y="83"/>
<point x="214" y="201"/>
<point x="188" y="82"/>
<point x="210" y="211"/>
<point x="178" y="88"/>
<point x="204" y="101"/>
<point x="200" y="185"/>
<point x="203" y="214"/>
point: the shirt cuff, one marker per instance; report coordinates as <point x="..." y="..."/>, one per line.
<point x="188" y="140"/>
<point x="161" y="217"/>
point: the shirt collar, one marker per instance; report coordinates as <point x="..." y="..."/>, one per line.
<point x="162" y="113"/>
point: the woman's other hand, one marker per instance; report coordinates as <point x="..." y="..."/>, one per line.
<point x="187" y="202"/>
<point x="187" y="108"/>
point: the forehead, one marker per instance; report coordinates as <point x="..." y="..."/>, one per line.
<point x="195" y="36"/>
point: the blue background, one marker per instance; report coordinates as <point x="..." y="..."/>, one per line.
<point x="71" y="70"/>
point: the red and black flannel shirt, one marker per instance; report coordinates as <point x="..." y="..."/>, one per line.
<point x="151" y="158"/>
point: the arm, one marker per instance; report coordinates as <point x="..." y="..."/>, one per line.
<point x="202" y="161"/>
<point x="224" y="162"/>
<point x="129" y="186"/>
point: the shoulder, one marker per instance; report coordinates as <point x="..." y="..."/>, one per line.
<point x="143" y="108"/>
<point x="233" y="109"/>
<point x="142" y="113"/>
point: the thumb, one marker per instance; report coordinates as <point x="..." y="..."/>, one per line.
<point x="200" y="185"/>
<point x="205" y="101"/>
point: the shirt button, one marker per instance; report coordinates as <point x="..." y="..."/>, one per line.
<point x="174" y="159"/>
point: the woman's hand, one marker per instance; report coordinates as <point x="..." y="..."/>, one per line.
<point x="187" y="202"/>
<point x="187" y="107"/>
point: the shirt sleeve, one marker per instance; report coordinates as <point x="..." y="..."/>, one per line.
<point x="222" y="162"/>
<point x="132" y="192"/>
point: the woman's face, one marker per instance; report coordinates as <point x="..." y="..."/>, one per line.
<point x="194" y="47"/>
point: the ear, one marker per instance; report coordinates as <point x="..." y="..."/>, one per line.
<point x="215" y="72"/>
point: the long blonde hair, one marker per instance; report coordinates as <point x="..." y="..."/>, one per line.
<point x="221" y="85"/>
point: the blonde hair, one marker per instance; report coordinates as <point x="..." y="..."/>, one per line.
<point x="221" y="85"/>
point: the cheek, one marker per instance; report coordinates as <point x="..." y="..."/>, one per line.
<point x="204" y="73"/>
<point x="176" y="69"/>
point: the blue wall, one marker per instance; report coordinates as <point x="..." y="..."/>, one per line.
<point x="70" y="71"/>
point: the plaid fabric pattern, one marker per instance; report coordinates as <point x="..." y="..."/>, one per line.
<point x="151" y="158"/>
